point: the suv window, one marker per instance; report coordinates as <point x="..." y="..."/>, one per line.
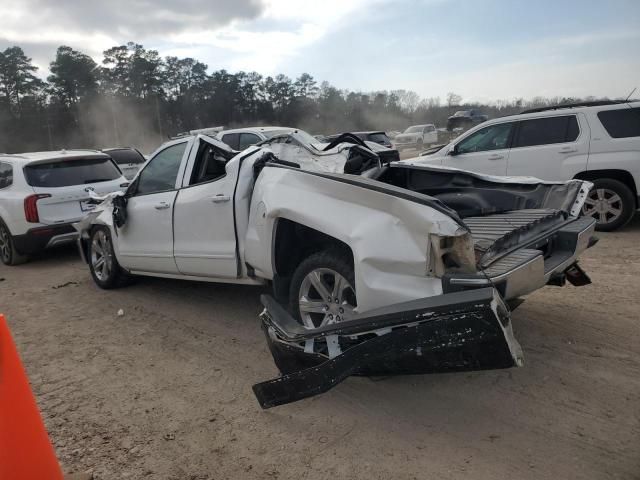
<point x="547" y="131"/>
<point x="209" y="165"/>
<point x="232" y="139"/>
<point x="247" y="139"/>
<point x="162" y="170"/>
<point x="493" y="137"/>
<point x="126" y="156"/>
<point x="621" y="123"/>
<point x="74" y="171"/>
<point x="6" y="175"/>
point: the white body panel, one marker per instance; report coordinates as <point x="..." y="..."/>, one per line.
<point x="69" y="204"/>
<point x="493" y="162"/>
<point x="204" y="234"/>
<point x="145" y="242"/>
<point x="555" y="161"/>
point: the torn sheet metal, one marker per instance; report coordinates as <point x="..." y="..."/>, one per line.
<point x="460" y="331"/>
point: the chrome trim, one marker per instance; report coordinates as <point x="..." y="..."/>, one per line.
<point x="62" y="239"/>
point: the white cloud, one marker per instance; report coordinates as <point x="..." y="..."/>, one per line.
<point x="291" y="27"/>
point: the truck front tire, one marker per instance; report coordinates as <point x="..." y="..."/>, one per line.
<point x="103" y="264"/>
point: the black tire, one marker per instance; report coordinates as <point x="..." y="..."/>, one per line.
<point x="8" y="253"/>
<point x="333" y="259"/>
<point x="111" y="277"/>
<point x="627" y="203"/>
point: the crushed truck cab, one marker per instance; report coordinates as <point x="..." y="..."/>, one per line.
<point x="376" y="266"/>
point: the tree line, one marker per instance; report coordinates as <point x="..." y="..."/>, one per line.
<point x="137" y="98"/>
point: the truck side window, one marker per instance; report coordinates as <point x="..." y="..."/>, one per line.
<point x="209" y="165"/>
<point x="160" y="173"/>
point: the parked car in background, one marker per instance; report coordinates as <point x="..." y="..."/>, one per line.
<point x="43" y="193"/>
<point x="416" y="137"/>
<point x="400" y="268"/>
<point x="465" y="119"/>
<point x="375" y="136"/>
<point x="129" y="160"/>
<point x="241" y="138"/>
<point x="595" y="141"/>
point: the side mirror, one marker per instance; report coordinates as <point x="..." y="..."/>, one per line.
<point x="454" y="151"/>
<point x="131" y="189"/>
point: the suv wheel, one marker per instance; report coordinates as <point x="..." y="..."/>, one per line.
<point x="611" y="203"/>
<point x="104" y="267"/>
<point x="8" y="253"/>
<point x="322" y="289"/>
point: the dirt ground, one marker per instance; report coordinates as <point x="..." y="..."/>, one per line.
<point x="164" y="391"/>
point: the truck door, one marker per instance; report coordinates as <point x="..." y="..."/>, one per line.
<point x="145" y="242"/>
<point x="204" y="227"/>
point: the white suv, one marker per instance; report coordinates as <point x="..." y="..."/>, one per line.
<point x="241" y="138"/>
<point x="416" y="136"/>
<point x="43" y="193"/>
<point x="595" y="141"/>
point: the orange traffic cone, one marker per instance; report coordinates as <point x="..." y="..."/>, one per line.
<point x="25" y="450"/>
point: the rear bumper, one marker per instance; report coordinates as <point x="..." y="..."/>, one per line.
<point x="37" y="239"/>
<point x="542" y="261"/>
<point x="453" y="332"/>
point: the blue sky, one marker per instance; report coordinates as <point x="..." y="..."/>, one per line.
<point x="481" y="49"/>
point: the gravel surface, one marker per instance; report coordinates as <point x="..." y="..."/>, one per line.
<point x="164" y="390"/>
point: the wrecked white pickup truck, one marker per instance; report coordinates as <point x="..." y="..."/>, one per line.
<point x="377" y="267"/>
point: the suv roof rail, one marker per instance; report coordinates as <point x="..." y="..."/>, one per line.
<point x="596" y="103"/>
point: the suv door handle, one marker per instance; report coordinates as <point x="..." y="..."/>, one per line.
<point x="495" y="156"/>
<point x="568" y="150"/>
<point x="161" y="206"/>
<point x="220" y="198"/>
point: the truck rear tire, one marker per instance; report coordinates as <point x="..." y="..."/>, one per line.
<point x="611" y="203"/>
<point x="322" y="289"/>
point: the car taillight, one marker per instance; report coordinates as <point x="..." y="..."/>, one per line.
<point x="31" y="207"/>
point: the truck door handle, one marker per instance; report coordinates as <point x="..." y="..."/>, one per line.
<point x="495" y="156"/>
<point x="220" y="198"/>
<point x="568" y="150"/>
<point x="161" y="206"/>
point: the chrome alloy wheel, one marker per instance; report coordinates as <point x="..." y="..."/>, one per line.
<point x="604" y="205"/>
<point x="325" y="297"/>
<point x="101" y="256"/>
<point x="5" y="245"/>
